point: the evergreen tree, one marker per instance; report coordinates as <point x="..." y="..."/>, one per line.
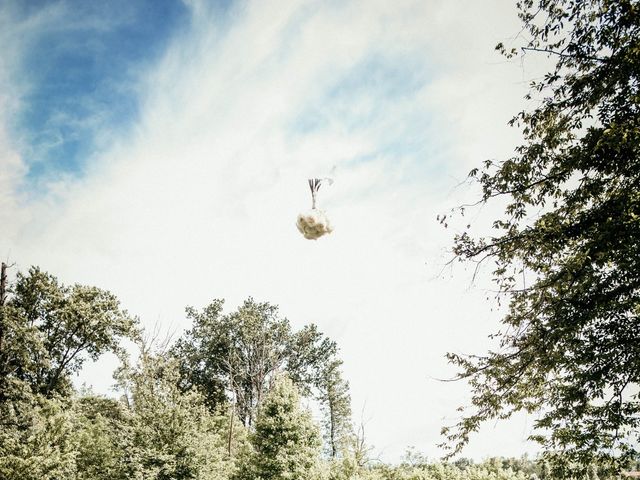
<point x="286" y="442"/>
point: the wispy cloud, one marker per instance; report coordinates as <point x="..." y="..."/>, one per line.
<point x="196" y="197"/>
<point x="73" y="67"/>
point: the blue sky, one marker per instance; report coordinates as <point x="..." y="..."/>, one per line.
<point x="81" y="76"/>
<point x="147" y="140"/>
<point x="83" y="88"/>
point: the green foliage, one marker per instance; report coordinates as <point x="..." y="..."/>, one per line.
<point x="204" y="352"/>
<point x="286" y="442"/>
<point x="311" y="359"/>
<point x="173" y="434"/>
<point x="36" y="441"/>
<point x="567" y="249"/>
<point x="234" y="356"/>
<point x="47" y="330"/>
<point x="104" y="441"/>
<point x="162" y="428"/>
<point x="159" y="433"/>
<point x="416" y="467"/>
<point x="354" y="454"/>
<point x="336" y="406"/>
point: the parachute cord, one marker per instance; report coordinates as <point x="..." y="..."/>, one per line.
<point x="314" y="185"/>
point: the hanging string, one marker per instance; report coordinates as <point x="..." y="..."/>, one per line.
<point x="314" y="185"/>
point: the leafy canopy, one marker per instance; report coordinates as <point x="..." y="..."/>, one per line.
<point x="567" y="248"/>
<point x="48" y="330"/>
<point x="234" y="356"/>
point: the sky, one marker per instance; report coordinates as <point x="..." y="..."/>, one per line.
<point x="160" y="149"/>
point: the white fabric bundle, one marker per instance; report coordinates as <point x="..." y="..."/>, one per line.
<point x="313" y="224"/>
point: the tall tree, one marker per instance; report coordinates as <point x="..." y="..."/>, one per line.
<point x="336" y="405"/>
<point x="570" y="349"/>
<point x="258" y="340"/>
<point x="286" y="442"/>
<point x="203" y="353"/>
<point x="234" y="356"/>
<point x="173" y="435"/>
<point x="50" y="330"/>
<point x="309" y="355"/>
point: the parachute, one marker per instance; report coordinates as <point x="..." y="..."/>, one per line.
<point x="314" y="223"/>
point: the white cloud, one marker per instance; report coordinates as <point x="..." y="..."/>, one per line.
<point x="199" y="200"/>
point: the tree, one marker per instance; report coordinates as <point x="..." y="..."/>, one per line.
<point x="234" y="356"/>
<point x="103" y="438"/>
<point x="567" y="248"/>
<point x="49" y="330"/>
<point x="310" y="355"/>
<point x="336" y="406"/>
<point x="286" y="442"/>
<point x="36" y="439"/>
<point x="173" y="435"/>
